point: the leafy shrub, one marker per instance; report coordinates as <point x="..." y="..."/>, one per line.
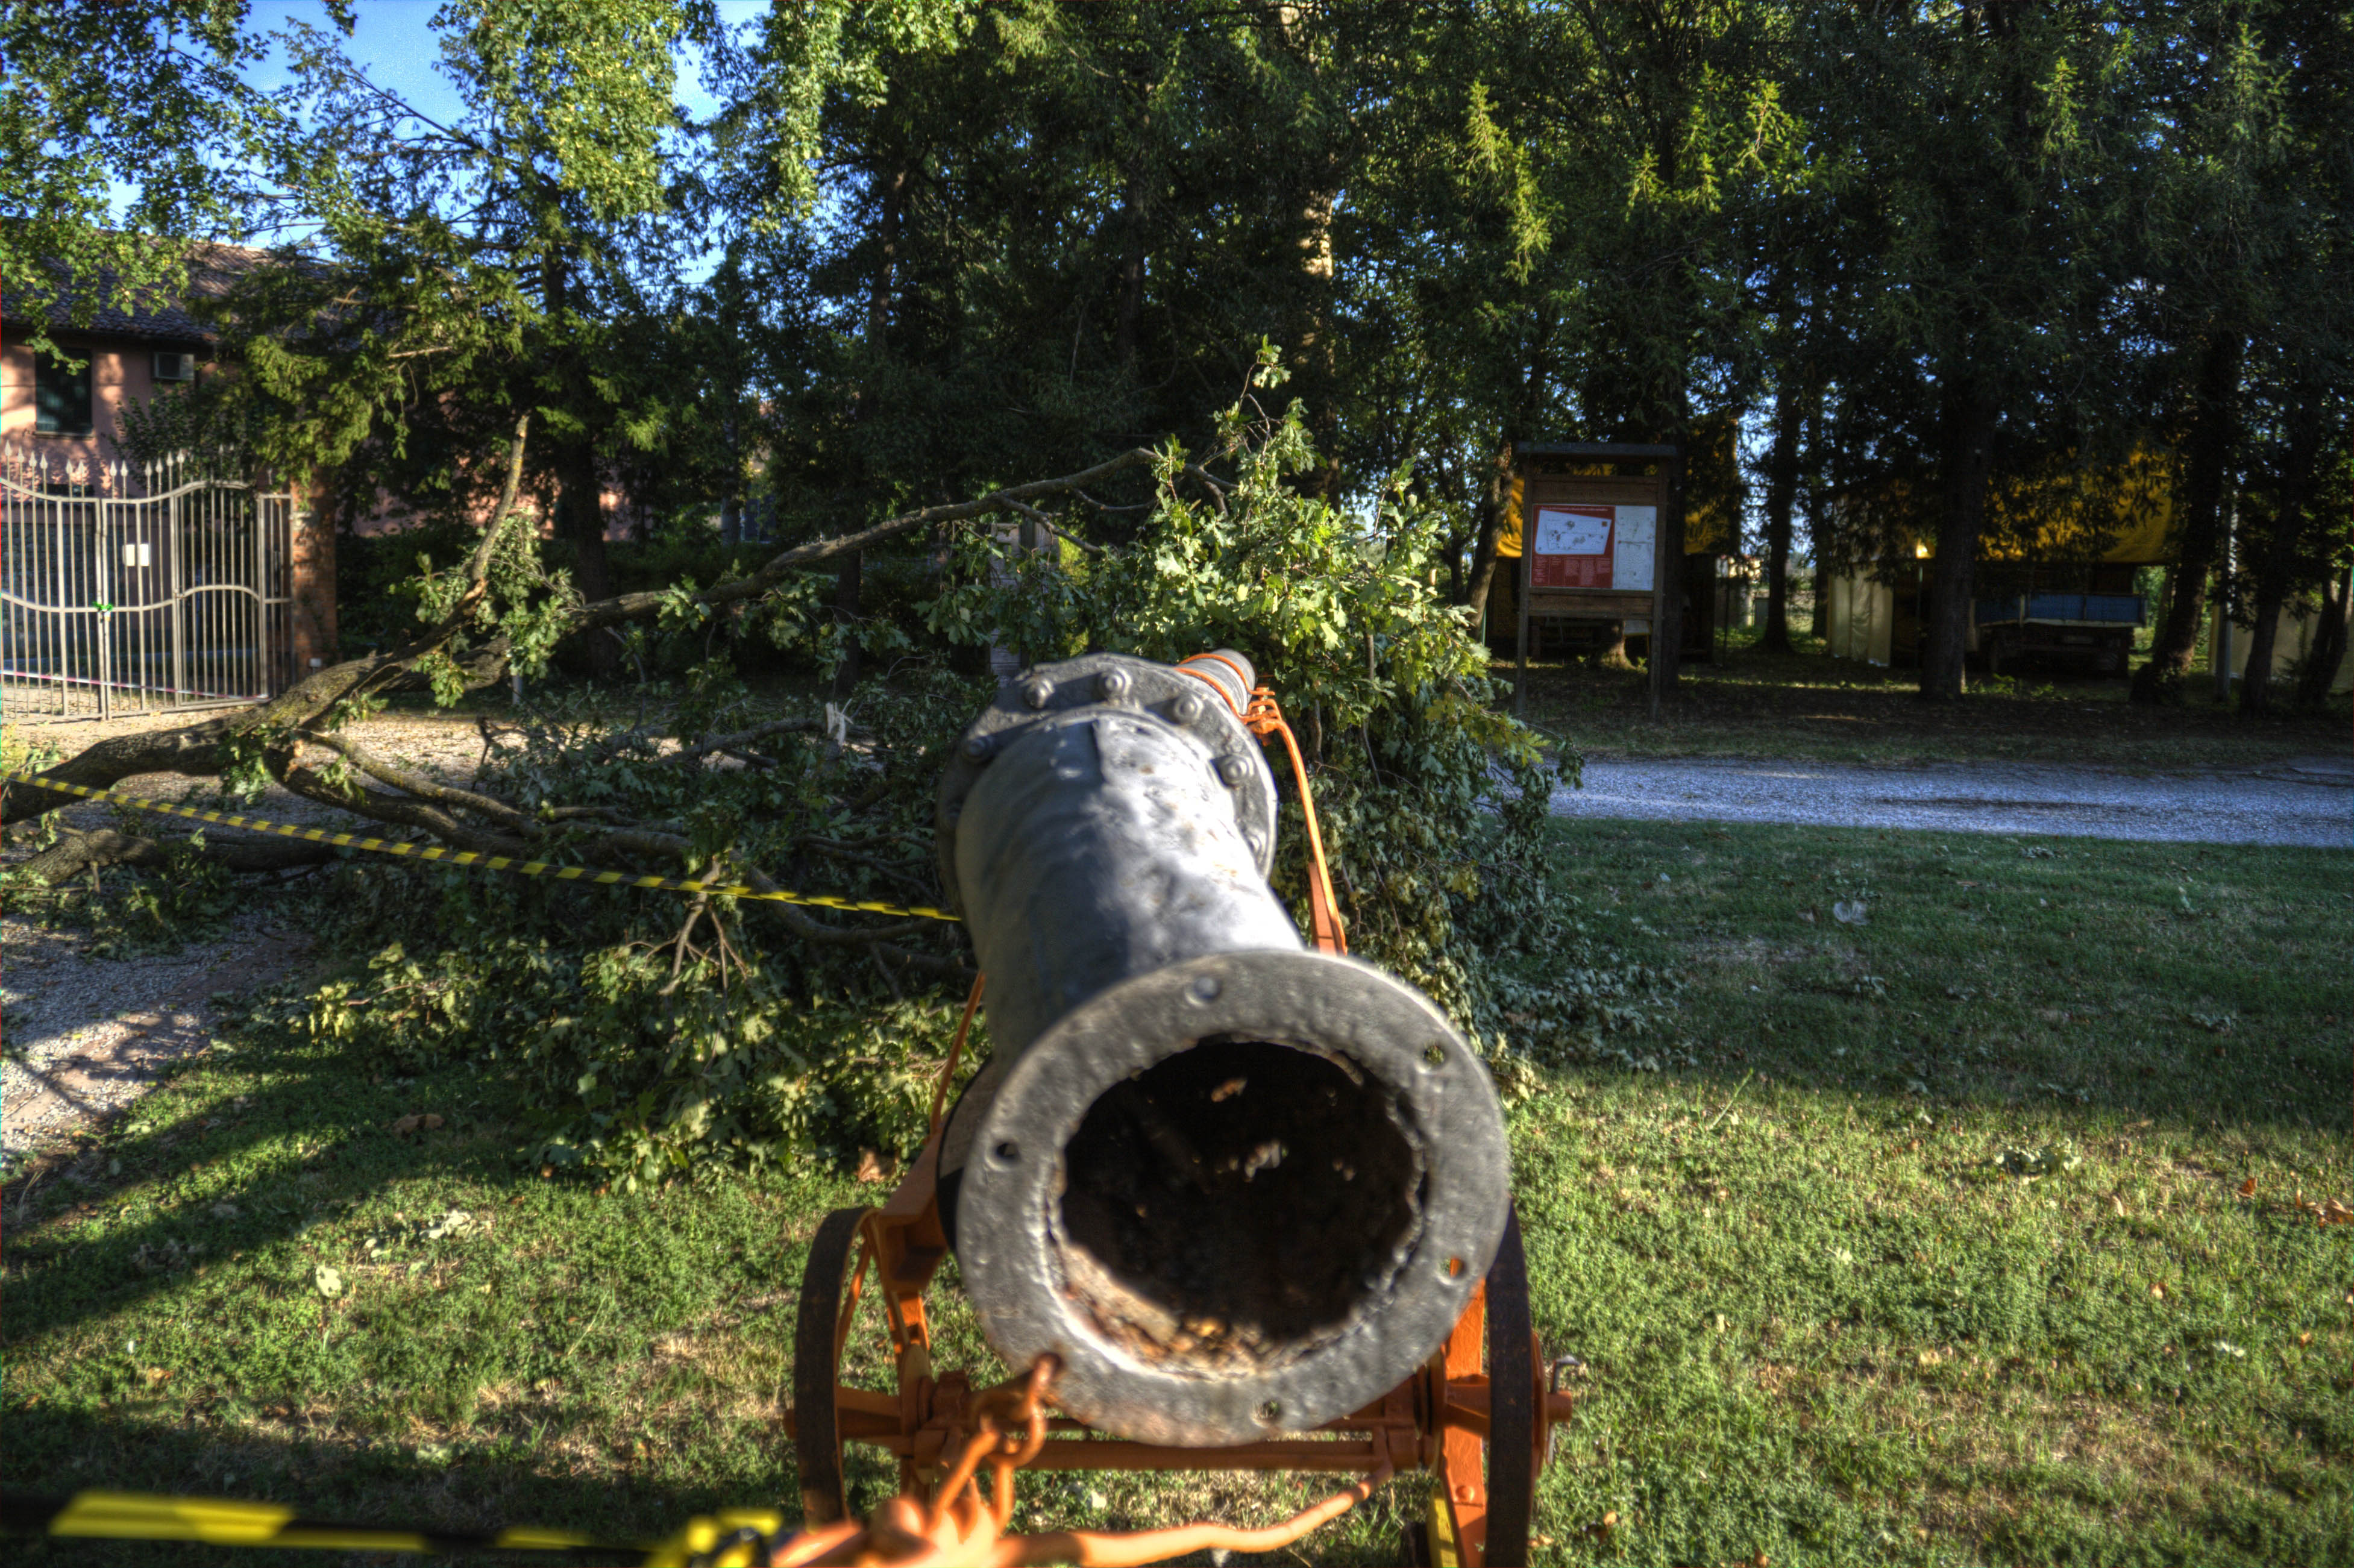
<point x="1431" y="801"/>
<point x="645" y="1070"/>
<point x="663" y="1037"/>
<point x="660" y="1044"/>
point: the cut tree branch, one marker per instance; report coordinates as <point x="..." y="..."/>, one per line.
<point x="384" y="772"/>
<point x="77" y="852"/>
<point x="203" y="750"/>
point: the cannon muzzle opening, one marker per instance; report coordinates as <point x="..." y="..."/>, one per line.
<point x="1236" y="1187"/>
<point x="1233" y="1206"/>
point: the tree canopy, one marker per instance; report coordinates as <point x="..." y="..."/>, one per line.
<point x="1918" y="254"/>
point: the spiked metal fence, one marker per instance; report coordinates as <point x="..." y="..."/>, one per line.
<point x="144" y="590"/>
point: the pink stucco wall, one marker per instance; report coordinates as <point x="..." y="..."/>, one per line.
<point x="117" y="374"/>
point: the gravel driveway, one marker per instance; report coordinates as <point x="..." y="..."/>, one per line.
<point x="2306" y="800"/>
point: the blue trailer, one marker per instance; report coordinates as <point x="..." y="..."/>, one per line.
<point x="2093" y="630"/>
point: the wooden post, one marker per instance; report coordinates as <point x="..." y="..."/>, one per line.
<point x="1522" y="576"/>
<point x="1668" y="583"/>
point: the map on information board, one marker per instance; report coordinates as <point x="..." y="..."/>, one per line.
<point x="1572" y="548"/>
<point x="1573" y="530"/>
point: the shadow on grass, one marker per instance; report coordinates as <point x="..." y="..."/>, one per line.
<point x="344" y="1481"/>
<point x="557" y="1355"/>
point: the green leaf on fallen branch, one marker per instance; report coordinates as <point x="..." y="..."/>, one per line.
<point x="2031" y="1165"/>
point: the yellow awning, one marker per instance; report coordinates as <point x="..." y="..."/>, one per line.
<point x="1708" y="528"/>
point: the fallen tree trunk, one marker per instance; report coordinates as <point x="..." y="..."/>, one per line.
<point x="277" y="732"/>
<point x="77" y="852"/>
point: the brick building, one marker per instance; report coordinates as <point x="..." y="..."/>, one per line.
<point x="60" y="424"/>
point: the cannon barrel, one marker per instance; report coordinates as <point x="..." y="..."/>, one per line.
<point x="1236" y="1187"/>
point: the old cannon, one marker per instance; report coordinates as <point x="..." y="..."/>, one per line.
<point x="1233" y="1201"/>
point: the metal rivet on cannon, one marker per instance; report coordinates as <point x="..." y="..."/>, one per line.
<point x="1113" y="685"/>
<point x="1187" y="709"/>
<point x="979" y="747"/>
<point x="1232" y="771"/>
<point x="1037" y="690"/>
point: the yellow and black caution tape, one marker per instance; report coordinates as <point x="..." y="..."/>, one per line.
<point x="733" y="1539"/>
<point x="488" y="862"/>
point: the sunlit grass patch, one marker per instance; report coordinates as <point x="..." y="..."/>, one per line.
<point x="1930" y="1240"/>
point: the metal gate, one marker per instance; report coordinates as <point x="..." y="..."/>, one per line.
<point x="175" y="598"/>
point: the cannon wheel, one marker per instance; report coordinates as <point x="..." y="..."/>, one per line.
<point x="817" y="1437"/>
<point x="1510" y="1453"/>
<point x="1512" y="1458"/>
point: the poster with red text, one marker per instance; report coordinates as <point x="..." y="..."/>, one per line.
<point x="1572" y="548"/>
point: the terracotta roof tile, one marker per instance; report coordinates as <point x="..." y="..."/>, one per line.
<point x="159" y="315"/>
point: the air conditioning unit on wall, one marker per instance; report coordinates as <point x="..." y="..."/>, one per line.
<point x="175" y="366"/>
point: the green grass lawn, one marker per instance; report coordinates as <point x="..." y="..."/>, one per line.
<point x="1825" y="1325"/>
<point x="1747" y="703"/>
<point x="1820" y="1321"/>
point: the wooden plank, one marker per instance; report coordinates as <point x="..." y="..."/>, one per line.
<point x="1525" y="569"/>
<point x="1590" y="604"/>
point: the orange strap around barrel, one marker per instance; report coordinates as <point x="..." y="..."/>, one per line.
<point x="1264" y="717"/>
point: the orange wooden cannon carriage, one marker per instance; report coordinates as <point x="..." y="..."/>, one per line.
<point x="1477" y="1413"/>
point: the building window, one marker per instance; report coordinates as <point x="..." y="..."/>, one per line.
<point x="61" y="398"/>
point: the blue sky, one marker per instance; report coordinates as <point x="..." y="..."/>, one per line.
<point x="394" y="40"/>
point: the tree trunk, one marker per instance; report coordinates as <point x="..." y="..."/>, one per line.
<point x="1967" y="465"/>
<point x="2277" y="546"/>
<point x="731" y="508"/>
<point x="78" y="852"/>
<point x="1781" y="491"/>
<point x="2329" y="650"/>
<point x="893" y="189"/>
<point x="1667" y="626"/>
<point x="1819" y="546"/>
<point x="2256" y="684"/>
<point x="2212" y="438"/>
<point x="1495" y="513"/>
<point x="580" y="513"/>
<point x="1131" y="260"/>
<point x="846" y="617"/>
<point x="1451" y="558"/>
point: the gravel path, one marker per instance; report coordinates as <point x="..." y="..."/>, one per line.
<point x="2308" y="800"/>
<point x="83" y="1036"/>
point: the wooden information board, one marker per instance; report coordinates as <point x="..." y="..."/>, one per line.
<point x="1593" y="544"/>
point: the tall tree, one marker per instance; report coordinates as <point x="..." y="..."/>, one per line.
<point x="2212" y="239"/>
<point x="1971" y="148"/>
<point x="442" y="279"/>
<point x="144" y="95"/>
